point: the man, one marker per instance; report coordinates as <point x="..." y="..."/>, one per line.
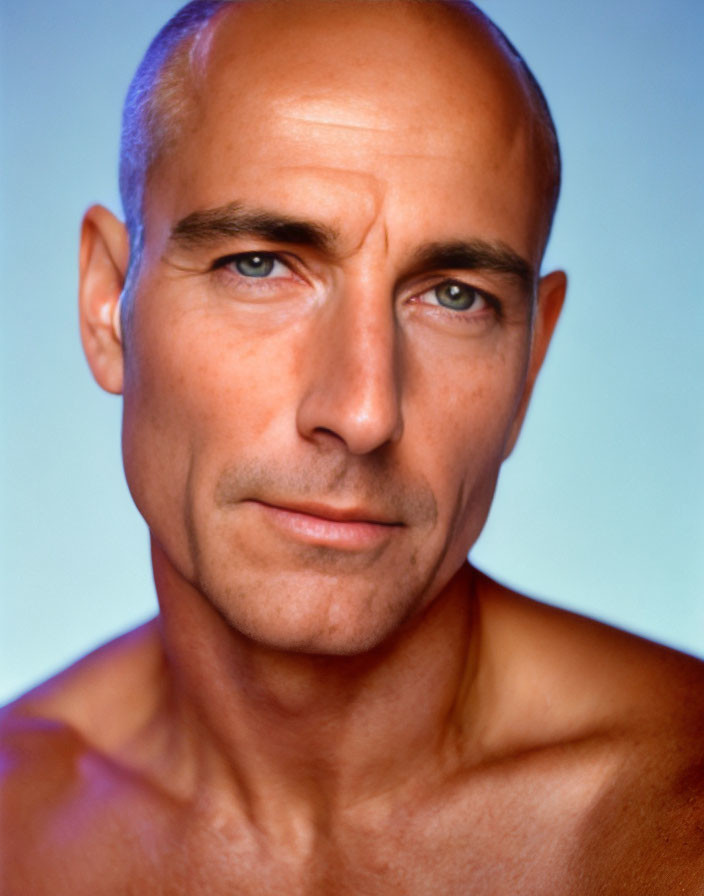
<point x="326" y="317"/>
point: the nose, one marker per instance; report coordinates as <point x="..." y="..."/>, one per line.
<point x="351" y="385"/>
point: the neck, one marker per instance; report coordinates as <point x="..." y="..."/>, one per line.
<point x="279" y="729"/>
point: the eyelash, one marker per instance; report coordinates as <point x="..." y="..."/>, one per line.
<point x="493" y="303"/>
<point x="226" y="260"/>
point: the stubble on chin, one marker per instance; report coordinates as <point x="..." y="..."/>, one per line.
<point x="307" y="597"/>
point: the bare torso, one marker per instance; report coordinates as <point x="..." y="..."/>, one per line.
<point x="593" y="784"/>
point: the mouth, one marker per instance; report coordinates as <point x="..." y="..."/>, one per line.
<point x="351" y="528"/>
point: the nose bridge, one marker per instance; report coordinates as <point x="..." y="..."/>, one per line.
<point x="353" y="388"/>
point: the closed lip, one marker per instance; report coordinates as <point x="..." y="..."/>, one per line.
<point x="351" y="514"/>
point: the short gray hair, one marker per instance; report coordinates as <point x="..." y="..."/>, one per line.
<point x="153" y="109"/>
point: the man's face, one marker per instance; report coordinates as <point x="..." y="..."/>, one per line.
<point x="324" y="373"/>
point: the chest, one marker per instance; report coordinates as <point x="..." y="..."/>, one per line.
<point x="500" y="835"/>
<point x="493" y="852"/>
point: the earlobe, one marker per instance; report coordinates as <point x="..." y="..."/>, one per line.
<point x="104" y="256"/>
<point x="551" y="296"/>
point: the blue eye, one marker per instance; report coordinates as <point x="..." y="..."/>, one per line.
<point x="255" y="264"/>
<point x="457" y="296"/>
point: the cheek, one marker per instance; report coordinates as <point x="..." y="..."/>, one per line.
<point x="196" y="375"/>
<point x="464" y="406"/>
<point x="466" y="400"/>
<point x="197" y="394"/>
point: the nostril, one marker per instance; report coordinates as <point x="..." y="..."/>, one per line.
<point x="323" y="432"/>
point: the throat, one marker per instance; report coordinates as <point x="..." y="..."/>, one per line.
<point x="273" y="728"/>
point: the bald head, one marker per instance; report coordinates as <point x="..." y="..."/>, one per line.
<point x="488" y="78"/>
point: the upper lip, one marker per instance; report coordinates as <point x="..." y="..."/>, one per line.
<point x="352" y="514"/>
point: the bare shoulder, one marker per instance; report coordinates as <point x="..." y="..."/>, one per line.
<point x="95" y="706"/>
<point x="639" y="706"/>
<point x="594" y="673"/>
<point x="88" y="694"/>
<point x="64" y="785"/>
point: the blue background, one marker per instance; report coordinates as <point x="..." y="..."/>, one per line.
<point x="601" y="508"/>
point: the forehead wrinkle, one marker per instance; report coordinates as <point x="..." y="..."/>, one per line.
<point x="460" y="23"/>
<point x="302" y="104"/>
<point x="367" y="189"/>
<point x="377" y="222"/>
<point x="318" y="121"/>
<point x="311" y="130"/>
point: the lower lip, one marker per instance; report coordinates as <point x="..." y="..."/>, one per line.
<point x="341" y="534"/>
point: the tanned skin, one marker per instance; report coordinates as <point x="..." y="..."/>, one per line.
<point x="330" y="700"/>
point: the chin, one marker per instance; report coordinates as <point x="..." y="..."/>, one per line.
<point x="332" y="618"/>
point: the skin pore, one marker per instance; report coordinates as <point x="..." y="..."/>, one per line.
<point x="334" y="333"/>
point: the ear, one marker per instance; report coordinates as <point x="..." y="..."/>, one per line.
<point x="551" y="296"/>
<point x="104" y="255"/>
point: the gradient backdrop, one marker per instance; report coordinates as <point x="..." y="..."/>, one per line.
<point x="600" y="509"/>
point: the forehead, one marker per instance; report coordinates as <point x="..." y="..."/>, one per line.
<point x="391" y="95"/>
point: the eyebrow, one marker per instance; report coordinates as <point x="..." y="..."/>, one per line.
<point x="210" y="226"/>
<point x="475" y="255"/>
